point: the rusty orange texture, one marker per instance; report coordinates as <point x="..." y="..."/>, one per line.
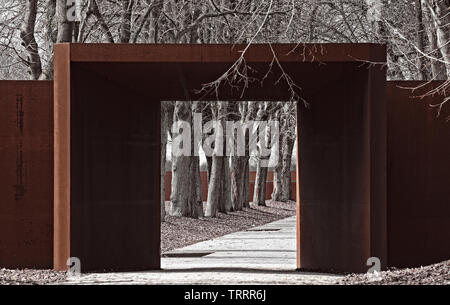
<point x="418" y="180"/>
<point x="82" y="177"/>
<point x="26" y="173"/>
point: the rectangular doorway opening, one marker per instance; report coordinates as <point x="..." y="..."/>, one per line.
<point x="228" y="185"/>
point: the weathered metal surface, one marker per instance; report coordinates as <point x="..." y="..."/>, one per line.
<point x="378" y="162"/>
<point x="418" y="176"/>
<point x="337" y="155"/>
<point x="61" y="250"/>
<point x="220" y="53"/>
<point x="112" y="86"/>
<point x="26" y="179"/>
<point x="114" y="177"/>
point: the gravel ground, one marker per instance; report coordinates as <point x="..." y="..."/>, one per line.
<point x="30" y="277"/>
<point x="437" y="274"/>
<point x="178" y="232"/>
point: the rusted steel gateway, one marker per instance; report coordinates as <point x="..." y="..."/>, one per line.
<point x="80" y="157"/>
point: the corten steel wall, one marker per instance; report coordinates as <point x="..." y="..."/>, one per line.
<point x="116" y="147"/>
<point x="26" y="172"/>
<point x="204" y="177"/>
<point x="418" y="177"/>
<point x="107" y="103"/>
<point x="341" y="159"/>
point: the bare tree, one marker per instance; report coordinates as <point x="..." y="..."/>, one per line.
<point x="29" y="41"/>
<point x="259" y="196"/>
<point x="184" y="195"/>
<point x="219" y="188"/>
<point x="440" y="14"/>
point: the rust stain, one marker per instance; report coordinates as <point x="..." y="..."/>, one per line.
<point x="20" y="187"/>
<point x="19" y="112"/>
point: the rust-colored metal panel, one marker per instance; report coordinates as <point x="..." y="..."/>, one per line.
<point x="213" y="53"/>
<point x="297" y="191"/>
<point x="336" y="148"/>
<point x="114" y="157"/>
<point x="378" y="155"/>
<point x="26" y="167"/>
<point x="61" y="156"/>
<point x="418" y="176"/>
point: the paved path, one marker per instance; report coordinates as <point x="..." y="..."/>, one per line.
<point x="260" y="255"/>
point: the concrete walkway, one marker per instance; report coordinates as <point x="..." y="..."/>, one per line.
<point x="260" y="255"/>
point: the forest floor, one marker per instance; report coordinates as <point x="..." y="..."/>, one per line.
<point x="30" y="277"/>
<point x="178" y="232"/>
<point x="436" y="274"/>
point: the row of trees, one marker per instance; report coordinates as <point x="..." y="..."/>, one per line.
<point x="417" y="33"/>
<point x="228" y="175"/>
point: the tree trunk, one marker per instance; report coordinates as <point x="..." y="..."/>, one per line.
<point x="102" y="23"/>
<point x="245" y="185"/>
<point x="286" y="182"/>
<point x="196" y="181"/>
<point x="420" y="38"/>
<point x="50" y="39"/>
<point x="219" y="184"/>
<point x="198" y="186"/>
<point x="225" y="204"/>
<point x="154" y="24"/>
<point x="29" y="41"/>
<point x="238" y="182"/>
<point x="196" y="189"/>
<point x="251" y="114"/>
<point x="207" y="114"/>
<point x="277" y="171"/>
<point x="259" y="195"/>
<point x="437" y="68"/>
<point x="289" y="129"/>
<point x="125" y="22"/>
<point x="184" y="189"/>
<point x="65" y="27"/>
<point x="239" y="164"/>
<point x="208" y="167"/>
<point x="277" y="186"/>
<point x="441" y="16"/>
<point x="214" y="188"/>
<point x="164" y="122"/>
